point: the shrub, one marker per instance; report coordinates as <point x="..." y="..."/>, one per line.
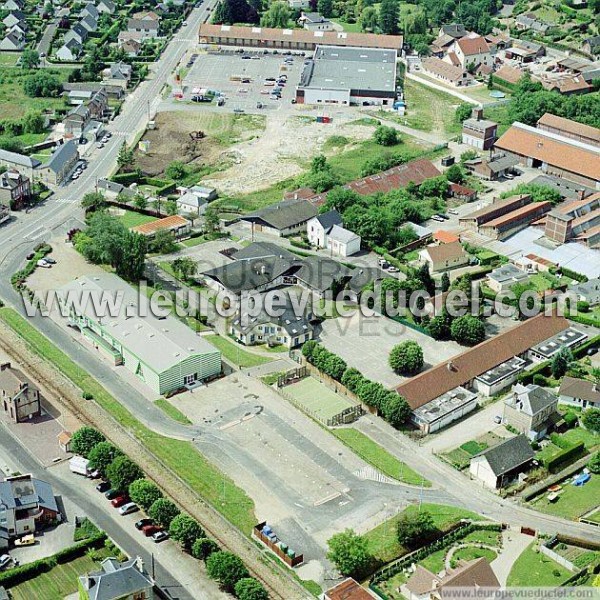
<point x="249" y="588"/>
<point x="144" y="493"/>
<point x="185" y="530"/>
<point x="163" y="511"/>
<point x="84" y="439"/>
<point x="203" y="547"/>
<point x="226" y="568"/>
<point x="406" y="358"/>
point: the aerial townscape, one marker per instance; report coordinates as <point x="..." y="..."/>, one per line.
<point x="299" y="299"/>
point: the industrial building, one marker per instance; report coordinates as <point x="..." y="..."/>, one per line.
<point x="498" y="208"/>
<point x="162" y="352"/>
<point x="503" y="227"/>
<point x="357" y="76"/>
<point x="578" y="220"/>
<point x="479" y="132"/>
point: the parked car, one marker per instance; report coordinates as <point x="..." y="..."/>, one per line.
<point x="5" y="560"/>
<point x="143" y="523"/>
<point x="220" y="101"/>
<point x="255" y="57"/>
<point x="160" y="536"/>
<point x="184" y="24"/>
<point x="50" y="261"/>
<point x="103" y="486"/>
<point x="498" y="419"/>
<point x="246" y="57"/>
<point x="83" y="141"/>
<point x="453" y="211"/>
<point x="436" y="218"/>
<point x="30" y="255"/>
<point x="26" y="540"/>
<point x="392" y="269"/>
<point x="238" y="110"/>
<point x="42" y="263"/>
<point x="442" y="216"/>
<point x="112" y="494"/>
<point x="151" y="530"/>
<point x="99" y="145"/>
<point x="128" y="508"/>
<point x="294" y="101"/>
<point x="119" y="501"/>
<point x="270" y="79"/>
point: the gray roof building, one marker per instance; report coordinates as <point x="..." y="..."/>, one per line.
<point x="262" y="250"/>
<point x="509" y="455"/>
<point x="284" y="215"/>
<point x="319" y="274"/>
<point x="329" y="219"/>
<point x="530" y="399"/>
<point x="580" y="389"/>
<point x="588" y="291"/>
<point x="454" y="30"/>
<point x="117" y="580"/>
<point x="63" y="155"/>
<point x="23" y="490"/>
<point x="18" y="160"/>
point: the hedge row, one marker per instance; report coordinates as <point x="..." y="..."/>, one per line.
<point x="558" y="460"/>
<point x="569" y="273"/>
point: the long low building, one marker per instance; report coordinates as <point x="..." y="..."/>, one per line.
<point x="162" y="352"/>
<point x="293" y="39"/>
<point x="503" y="227"/>
<point x="346" y="76"/>
<point x="553" y="153"/>
<point x="498" y="208"/>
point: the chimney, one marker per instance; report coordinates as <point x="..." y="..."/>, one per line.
<point x="581" y="194"/>
<point x="477" y="113"/>
<point x="139" y="563"/>
<point x="5" y="366"/>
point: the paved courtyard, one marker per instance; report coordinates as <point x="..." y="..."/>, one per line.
<point x="366" y="343"/>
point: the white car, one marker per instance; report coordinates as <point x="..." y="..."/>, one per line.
<point x="99" y="145"/>
<point x="128" y="508"/>
<point x="42" y="263"/>
<point x="5" y="560"/>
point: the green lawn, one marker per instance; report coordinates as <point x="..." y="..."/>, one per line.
<point x="573" y="501"/>
<point x="350" y="27"/>
<point x="382" y="540"/>
<point x="130" y="218"/>
<point x="533" y="569"/>
<point x="180" y="456"/>
<point x="547" y="452"/>
<point x="483" y="536"/>
<point x="172" y="411"/>
<point x="56" y="583"/>
<point x="379" y="457"/>
<point x="319" y="401"/>
<point x="435" y="562"/>
<point x="471" y="553"/>
<point x="235" y="353"/>
<point x="579" y="434"/>
<point x="9" y="59"/>
<point x="194" y="241"/>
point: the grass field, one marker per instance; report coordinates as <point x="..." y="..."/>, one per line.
<point x="180" y="456"/>
<point x="317" y="399"/>
<point x="573" y="501"/>
<point x="382" y="540"/>
<point x="534" y="569"/>
<point x="471" y="553"/>
<point x="378" y="457"/>
<point x="172" y="411"/>
<point x="130" y="218"/>
<point x="349" y="27"/>
<point x="579" y="434"/>
<point x="461" y="457"/>
<point x="56" y="583"/>
<point x="235" y="353"/>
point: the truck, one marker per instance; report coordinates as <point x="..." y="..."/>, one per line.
<point x="80" y="465"/>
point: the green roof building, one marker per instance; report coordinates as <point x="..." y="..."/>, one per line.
<point x="162" y="351"/>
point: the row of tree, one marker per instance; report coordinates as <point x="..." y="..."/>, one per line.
<point x="126" y="476"/>
<point x="392" y="407"/>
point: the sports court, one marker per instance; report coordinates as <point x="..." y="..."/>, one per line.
<point x="317" y="400"/>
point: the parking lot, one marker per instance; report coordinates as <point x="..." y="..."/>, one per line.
<point x="242" y="80"/>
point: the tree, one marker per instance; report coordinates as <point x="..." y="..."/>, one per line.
<point x="102" y="455"/>
<point x="184" y="267"/>
<point x="389" y="13"/>
<point x="42" y="84"/>
<point x="134" y="251"/>
<point x="594" y="464"/>
<point x="395" y="409"/>
<point x="33" y="123"/>
<point x="163" y="511"/>
<point x="340" y="199"/>
<point x="351" y="379"/>
<point x="176" y="170"/>
<point x="308" y="349"/>
<point x="538" y="193"/>
<point x="445" y="283"/>
<point x="467" y="330"/>
<point x="386" y="136"/>
<point x="439" y="327"/>
<point x="164" y="242"/>
<point x="278" y="15"/>
<point x="122" y="472"/>
<point x="144" y="492"/>
<point x="84" y="439"/>
<point x="406" y="358"/>
<point x="416" y="530"/>
<point x="349" y="552"/>
<point x="335" y="367"/>
<point x="249" y="588"/>
<point x="93" y="201"/>
<point x="319" y="164"/>
<point x="226" y="568"/>
<point x="424" y="276"/>
<point x="203" y="547"/>
<point x="455" y="174"/>
<point x="369" y="19"/>
<point x="185" y="530"/>
<point x="325" y="8"/>
<point x="211" y="220"/>
<point x="234" y="11"/>
<point x="125" y="158"/>
<point x="30" y="59"/>
<point x="140" y="201"/>
<point x="591" y="419"/>
<point x="561" y="361"/>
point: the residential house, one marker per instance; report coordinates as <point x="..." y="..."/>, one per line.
<point x="191" y="204"/>
<point x="462" y="192"/>
<point x="13" y="5"/>
<point x="89" y="23"/>
<point x="13" y="42"/>
<point x="286" y="329"/>
<point x="117" y="74"/>
<point x="348" y="589"/>
<point x="499" y="465"/>
<point x="91" y="10"/>
<point x="453" y="30"/>
<point x="320" y="226"/>
<point x="13" y="18"/>
<point x="284" y="218"/>
<point x="591" y="45"/>
<point x="20" y="399"/>
<point x="525" y="51"/>
<point x="531" y="410"/>
<point x="14" y="160"/>
<point x="473" y="575"/>
<point x="19" y="29"/>
<point x="28" y="505"/>
<point x="69" y="51"/>
<point x="445" y="237"/>
<point x="472" y="50"/>
<point x="527" y="21"/>
<point x="446" y="72"/>
<point x="508" y="74"/>
<point x="503" y="278"/>
<point x="579" y="392"/>
<point x="131" y="47"/>
<point x="60" y="164"/>
<point x="315" y="22"/>
<point x="176" y="224"/>
<point x="444" y="256"/>
<point x="479" y="132"/>
<point x="439" y="46"/>
<point x="15" y="189"/>
<point x="116" y="580"/>
<point x="343" y="242"/>
<point x="77" y="32"/>
<point x="493" y="168"/>
<point x="147" y="28"/>
<point x="569" y="338"/>
<point x="98" y="104"/>
<point x="587" y="291"/>
<point x="76" y="121"/>
<point x="567" y="85"/>
<point x="299" y="4"/>
<point x="106" y="6"/>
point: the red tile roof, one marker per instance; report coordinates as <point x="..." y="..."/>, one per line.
<point x="172" y="222"/>
<point x="509" y="74"/>
<point x="446" y="237"/>
<point x="519" y="213"/>
<point x="348" y="590"/>
<point x="569" y="126"/>
<point x="473" y="45"/>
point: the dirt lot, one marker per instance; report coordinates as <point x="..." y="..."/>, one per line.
<point x="171" y="139"/>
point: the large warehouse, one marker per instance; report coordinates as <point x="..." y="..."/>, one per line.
<point x="348" y="76"/>
<point x="163" y="352"/>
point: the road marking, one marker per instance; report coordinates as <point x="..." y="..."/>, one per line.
<point x="326" y="499"/>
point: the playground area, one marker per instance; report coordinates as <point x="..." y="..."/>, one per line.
<point x="322" y="403"/>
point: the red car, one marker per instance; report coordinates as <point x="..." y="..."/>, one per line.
<point x="119" y="501"/>
<point x="149" y="530"/>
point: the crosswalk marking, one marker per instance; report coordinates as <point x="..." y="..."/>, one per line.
<point x="372" y="474"/>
